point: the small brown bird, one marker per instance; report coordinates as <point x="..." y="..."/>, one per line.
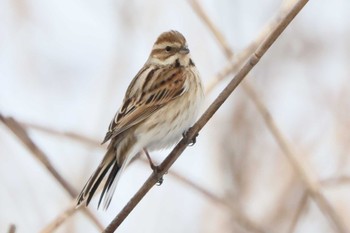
<point x="160" y="104"/>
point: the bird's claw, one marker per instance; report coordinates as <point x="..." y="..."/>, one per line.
<point x="156" y="170"/>
<point x="193" y="140"/>
<point x="160" y="181"/>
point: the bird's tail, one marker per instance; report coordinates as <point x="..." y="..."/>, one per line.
<point x="109" y="161"/>
<point x="114" y="166"/>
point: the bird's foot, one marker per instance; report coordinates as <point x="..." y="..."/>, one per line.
<point x="154" y="167"/>
<point x="160" y="181"/>
<point x="193" y="140"/>
<point x="156" y="171"/>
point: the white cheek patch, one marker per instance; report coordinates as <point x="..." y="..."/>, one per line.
<point x="170" y="60"/>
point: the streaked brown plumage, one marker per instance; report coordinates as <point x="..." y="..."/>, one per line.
<point x="160" y="104"/>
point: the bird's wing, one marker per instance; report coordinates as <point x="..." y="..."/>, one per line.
<point x="157" y="90"/>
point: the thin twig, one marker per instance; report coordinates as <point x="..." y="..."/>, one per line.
<point x="22" y="135"/>
<point x="299" y="211"/>
<point x="241" y="218"/>
<point x="309" y="180"/>
<point x="230" y="68"/>
<point x="236" y="62"/>
<point x="12" y="228"/>
<point x="342" y="180"/>
<point x="218" y="36"/>
<point x="77" y="137"/>
<point x="307" y="177"/>
<point x="60" y="219"/>
<point x="180" y="147"/>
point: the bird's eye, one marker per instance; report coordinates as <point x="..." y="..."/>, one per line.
<point x="168" y="48"/>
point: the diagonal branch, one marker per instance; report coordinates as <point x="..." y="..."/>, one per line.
<point x="22" y="135"/>
<point x="180" y="147"/>
<point x="241" y="218"/>
<point x="299" y="210"/>
<point x="59" y="220"/>
<point x="235" y="62"/>
<point x="310" y="181"/>
<point x="218" y="36"/>
<point x="312" y="186"/>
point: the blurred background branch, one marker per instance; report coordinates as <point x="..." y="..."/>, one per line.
<point x="303" y="171"/>
<point x="22" y="136"/>
<point x="12" y="228"/>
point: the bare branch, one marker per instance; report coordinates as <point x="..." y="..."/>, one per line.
<point x="22" y="135"/>
<point x="236" y="61"/>
<point x="72" y="135"/>
<point x="12" y="228"/>
<point x="180" y="147"/>
<point x="309" y="179"/>
<point x="299" y="211"/>
<point x="60" y="219"/>
<point x="219" y="37"/>
<point x="342" y="180"/>
<point x="302" y="170"/>
<point x="241" y="218"/>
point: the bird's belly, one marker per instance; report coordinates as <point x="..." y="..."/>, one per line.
<point x="166" y="126"/>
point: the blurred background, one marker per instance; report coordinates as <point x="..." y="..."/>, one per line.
<point x="64" y="69"/>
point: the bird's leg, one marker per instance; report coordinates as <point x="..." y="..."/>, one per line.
<point x="193" y="140"/>
<point x="154" y="167"/>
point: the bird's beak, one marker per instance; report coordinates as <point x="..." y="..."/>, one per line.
<point x="184" y="50"/>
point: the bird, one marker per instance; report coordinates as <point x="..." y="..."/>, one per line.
<point x="161" y="103"/>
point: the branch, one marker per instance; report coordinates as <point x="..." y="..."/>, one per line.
<point x="241" y="218"/>
<point x="307" y="177"/>
<point x="22" y="135"/>
<point x="342" y="180"/>
<point x="180" y="147"/>
<point x="299" y="210"/>
<point x="12" y="228"/>
<point x="59" y="220"/>
<point x="310" y="181"/>
<point x="218" y="36"/>
<point x="75" y="136"/>
<point x="236" y="61"/>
